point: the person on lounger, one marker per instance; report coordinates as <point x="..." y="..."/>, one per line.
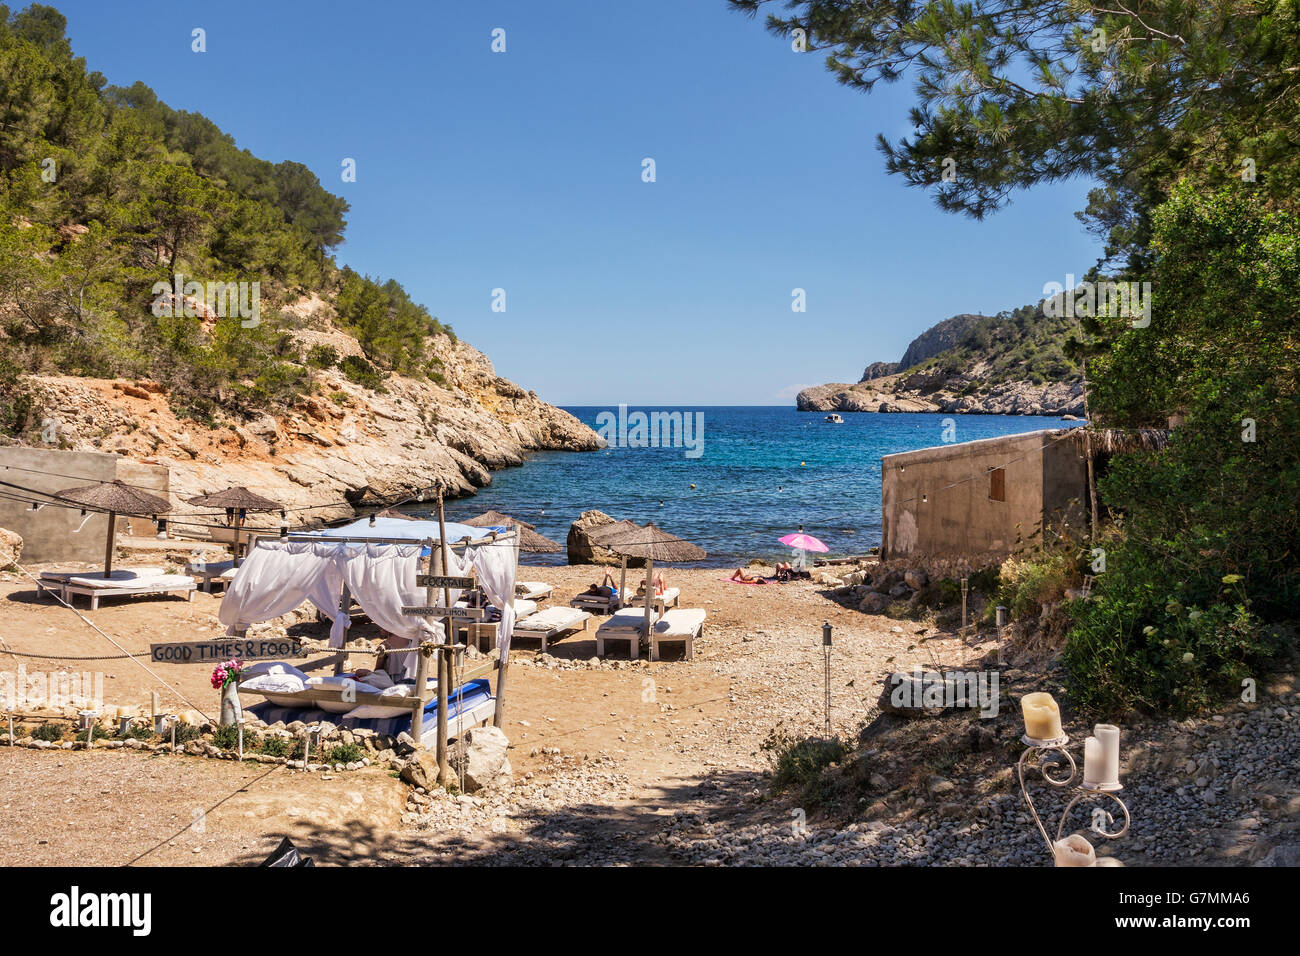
<point x="744" y="578"/>
<point x="657" y="580"/>
<point x="607" y="587"/>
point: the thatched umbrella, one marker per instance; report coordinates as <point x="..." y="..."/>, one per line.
<point x="238" y="501"/>
<point x="116" y="498"/>
<point x="653" y="544"/>
<point x="529" y="540"/>
<point x="613" y="530"/>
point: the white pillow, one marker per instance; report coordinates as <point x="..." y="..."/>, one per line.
<point x="271" y="686"/>
<point x="273" y="667"/>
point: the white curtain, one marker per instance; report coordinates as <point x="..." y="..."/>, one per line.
<point x="391" y="584"/>
<point x="277" y="577"/>
<point x="497" y="565"/>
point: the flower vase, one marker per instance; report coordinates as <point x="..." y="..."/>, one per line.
<point x="231" y="711"/>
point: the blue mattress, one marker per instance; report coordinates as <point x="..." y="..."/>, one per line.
<point x="461" y="700"/>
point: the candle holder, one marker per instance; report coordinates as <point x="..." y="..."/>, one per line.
<point x="1046" y="755"/>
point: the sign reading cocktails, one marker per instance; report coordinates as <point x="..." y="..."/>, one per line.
<point x="237" y="648"/>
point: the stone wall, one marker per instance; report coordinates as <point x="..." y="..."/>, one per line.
<point x="57" y="534"/>
<point x="938" y="502"/>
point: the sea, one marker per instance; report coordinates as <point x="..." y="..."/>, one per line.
<point x="737" y="481"/>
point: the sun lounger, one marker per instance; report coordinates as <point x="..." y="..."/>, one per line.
<point x="551" y="623"/>
<point x="662" y="602"/>
<point x="599" y="603"/>
<point x="681" y="624"/>
<point x="211" y="573"/>
<point x="533" y="590"/>
<point x="626" y="624"/>
<point x="97" y="588"/>
<point x="56" y="581"/>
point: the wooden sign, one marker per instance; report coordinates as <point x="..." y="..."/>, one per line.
<point x="214" y="652"/>
<point x="442" y="581"/>
<point x="455" y="613"/>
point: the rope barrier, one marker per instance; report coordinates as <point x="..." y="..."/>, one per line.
<point x="128" y="655"/>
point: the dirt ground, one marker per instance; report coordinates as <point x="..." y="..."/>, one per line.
<point x="667" y="730"/>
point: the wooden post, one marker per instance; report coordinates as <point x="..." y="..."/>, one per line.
<point x="622" y="580"/>
<point x="345" y="607"/>
<point x="649" y="600"/>
<point x="444" y="661"/>
<point x="499" y="710"/>
<point x="421" y="694"/>
<point x="234" y="545"/>
<point x="1087" y="451"/>
<point x="111" y="545"/>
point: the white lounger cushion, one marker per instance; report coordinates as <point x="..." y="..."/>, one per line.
<point x="531" y="589"/>
<point x="211" y="568"/>
<point x="553" y="618"/>
<point x="524" y="607"/>
<point x="157" y="582"/>
<point x="117" y="578"/>
<point x="629" y="619"/>
<point x="680" y="622"/>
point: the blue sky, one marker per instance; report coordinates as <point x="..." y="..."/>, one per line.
<point x="522" y="171"/>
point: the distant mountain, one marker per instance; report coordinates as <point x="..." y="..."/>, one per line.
<point x="1010" y="363"/>
<point x="939" y="338"/>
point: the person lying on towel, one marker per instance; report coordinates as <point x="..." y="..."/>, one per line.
<point x="744" y="578"/>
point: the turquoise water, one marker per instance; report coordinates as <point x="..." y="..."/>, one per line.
<point x="761" y="473"/>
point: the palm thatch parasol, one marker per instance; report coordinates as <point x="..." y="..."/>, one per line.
<point x="237" y="500"/>
<point x="653" y="544"/>
<point x="529" y="540"/>
<point x="116" y="498"/>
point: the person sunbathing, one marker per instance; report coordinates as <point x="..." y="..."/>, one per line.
<point x="608" y="586"/>
<point x="744" y="578"/>
<point x="657" y="580"/>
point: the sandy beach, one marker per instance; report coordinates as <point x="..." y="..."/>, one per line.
<point x="618" y="762"/>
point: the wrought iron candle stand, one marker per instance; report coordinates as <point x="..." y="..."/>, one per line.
<point x="1047" y="754"/>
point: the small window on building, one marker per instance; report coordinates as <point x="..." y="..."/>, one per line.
<point x="998" y="484"/>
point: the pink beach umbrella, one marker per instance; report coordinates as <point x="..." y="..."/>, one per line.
<point x="804" y="542"/>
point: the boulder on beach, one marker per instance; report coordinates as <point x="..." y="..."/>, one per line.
<point x="582" y="550"/>
<point x="11" y="546"/>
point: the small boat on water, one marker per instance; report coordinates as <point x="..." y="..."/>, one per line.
<point x="835" y="419"/>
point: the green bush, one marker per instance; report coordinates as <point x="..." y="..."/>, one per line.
<point x="275" y="746"/>
<point x="1041" y="577"/>
<point x="358" y="370"/>
<point x="1146" y="641"/>
<point x="97" y="733"/>
<point x="322" y="356"/>
<point x="798" y="761"/>
<point x="344" y="753"/>
<point x="49" y="731"/>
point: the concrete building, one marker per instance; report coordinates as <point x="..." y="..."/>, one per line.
<point x="58" y="534"/>
<point x="981" y="497"/>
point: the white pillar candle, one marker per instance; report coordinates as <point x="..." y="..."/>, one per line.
<point x="1108" y="737"/>
<point x="1042" y="716"/>
<point x="1092" y="760"/>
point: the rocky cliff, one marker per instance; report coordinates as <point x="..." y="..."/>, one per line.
<point x="345" y="442"/>
<point x="936" y="391"/>
<point x="1014" y="363"/>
